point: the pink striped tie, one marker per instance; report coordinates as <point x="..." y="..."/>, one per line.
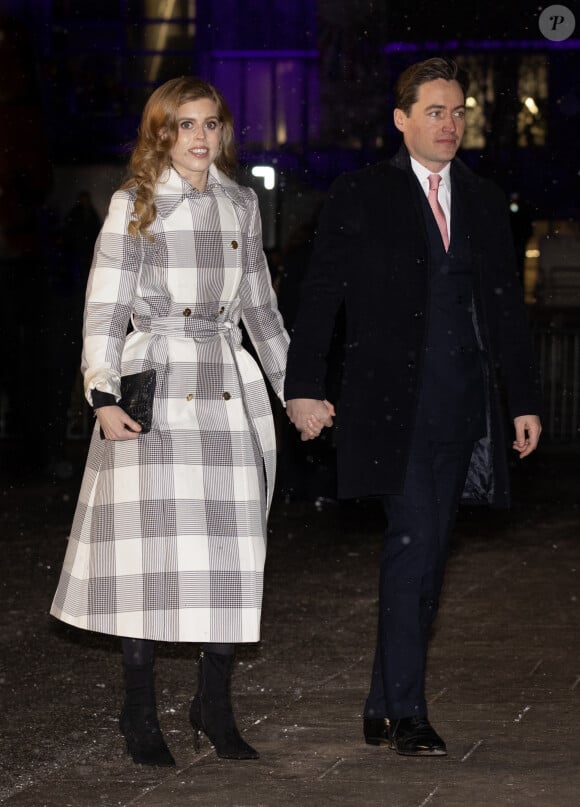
<point x="434" y="180"/>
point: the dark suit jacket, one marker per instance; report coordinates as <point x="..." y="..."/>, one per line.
<point x="371" y="252"/>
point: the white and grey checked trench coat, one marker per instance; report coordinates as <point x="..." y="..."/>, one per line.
<point x="169" y="536"/>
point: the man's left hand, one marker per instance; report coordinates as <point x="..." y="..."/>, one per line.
<point x="528" y="429"/>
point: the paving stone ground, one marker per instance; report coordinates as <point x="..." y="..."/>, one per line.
<point x="503" y="677"/>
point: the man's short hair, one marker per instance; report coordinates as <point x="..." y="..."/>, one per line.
<point x="407" y="85"/>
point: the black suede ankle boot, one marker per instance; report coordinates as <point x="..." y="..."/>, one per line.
<point x="139" y="723"/>
<point x="211" y="709"/>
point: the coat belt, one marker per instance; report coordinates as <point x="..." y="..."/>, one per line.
<point x="200" y="329"/>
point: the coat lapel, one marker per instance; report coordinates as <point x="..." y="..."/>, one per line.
<point x="402" y="161"/>
<point x="465" y="201"/>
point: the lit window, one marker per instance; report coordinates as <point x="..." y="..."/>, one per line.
<point x="533" y="93"/>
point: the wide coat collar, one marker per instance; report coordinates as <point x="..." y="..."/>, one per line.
<point x="172" y="189"/>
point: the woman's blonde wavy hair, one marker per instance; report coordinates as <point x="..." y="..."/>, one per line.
<point x="156" y="137"/>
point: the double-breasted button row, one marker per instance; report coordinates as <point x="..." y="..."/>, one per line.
<point x="187" y="311"/>
<point x="226" y="396"/>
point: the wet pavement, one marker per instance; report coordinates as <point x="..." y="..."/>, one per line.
<point x="503" y="677"/>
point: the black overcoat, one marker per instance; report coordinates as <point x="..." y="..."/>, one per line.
<point x="371" y="253"/>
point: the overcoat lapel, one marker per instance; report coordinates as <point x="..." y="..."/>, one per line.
<point x="465" y="202"/>
<point x="402" y="161"/>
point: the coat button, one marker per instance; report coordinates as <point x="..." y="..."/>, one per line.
<point x="234" y="244"/>
<point x="227" y="396"/>
<point x="222" y="309"/>
<point x="189" y="397"/>
<point x="187" y="312"/>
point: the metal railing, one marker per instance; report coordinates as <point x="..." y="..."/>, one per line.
<point x="558" y="354"/>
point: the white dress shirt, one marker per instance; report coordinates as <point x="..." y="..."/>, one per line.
<point x="444" y="193"/>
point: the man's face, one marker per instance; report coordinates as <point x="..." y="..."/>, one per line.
<point x="434" y="127"/>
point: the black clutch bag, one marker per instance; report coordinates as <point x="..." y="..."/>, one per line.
<point x="137" y="394"/>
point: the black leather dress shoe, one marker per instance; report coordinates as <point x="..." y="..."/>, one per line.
<point x="376" y="730"/>
<point x="415" y="737"/>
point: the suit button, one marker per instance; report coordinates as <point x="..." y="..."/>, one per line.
<point x="189" y="397"/>
<point x="187" y="312"/>
<point x="222" y="309"/>
<point x="234" y="244"/>
<point x="227" y="396"/>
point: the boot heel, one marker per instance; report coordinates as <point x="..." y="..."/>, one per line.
<point x="196" y="740"/>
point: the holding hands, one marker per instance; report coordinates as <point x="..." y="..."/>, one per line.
<point x="310" y="416"/>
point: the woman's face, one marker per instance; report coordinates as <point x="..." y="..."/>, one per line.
<point x="199" y="134"/>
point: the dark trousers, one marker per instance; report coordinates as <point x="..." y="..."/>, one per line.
<point x="419" y="524"/>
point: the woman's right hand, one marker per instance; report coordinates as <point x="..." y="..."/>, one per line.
<point x="116" y="423"/>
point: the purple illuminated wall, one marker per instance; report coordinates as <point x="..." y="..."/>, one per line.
<point x="265" y="62"/>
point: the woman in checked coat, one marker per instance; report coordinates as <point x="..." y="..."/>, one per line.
<point x="169" y="537"/>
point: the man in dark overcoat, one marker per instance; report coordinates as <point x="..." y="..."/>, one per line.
<point x="419" y="251"/>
